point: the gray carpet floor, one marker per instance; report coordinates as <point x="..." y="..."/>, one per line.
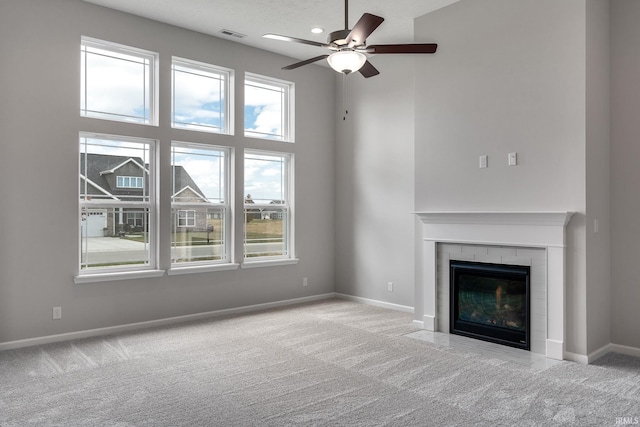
<point x="330" y="363"/>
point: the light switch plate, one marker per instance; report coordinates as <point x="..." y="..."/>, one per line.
<point x="484" y="162"/>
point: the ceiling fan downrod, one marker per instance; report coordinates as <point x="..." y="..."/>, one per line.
<point x="346" y="14"/>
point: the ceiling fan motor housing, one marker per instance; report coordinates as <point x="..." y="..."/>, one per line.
<point x="338" y="38"/>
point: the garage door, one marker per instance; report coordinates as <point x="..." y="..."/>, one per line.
<point x="93" y="223"/>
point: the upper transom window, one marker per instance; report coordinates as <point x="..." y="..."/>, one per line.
<point x="268" y="108"/>
<point x="117" y="82"/>
<point x="201" y="97"/>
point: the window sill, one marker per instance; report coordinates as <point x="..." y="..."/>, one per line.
<point x="120" y="275"/>
<point x="201" y="269"/>
<point x="269" y="263"/>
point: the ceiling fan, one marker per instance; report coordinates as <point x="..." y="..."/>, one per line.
<point x="349" y="46"/>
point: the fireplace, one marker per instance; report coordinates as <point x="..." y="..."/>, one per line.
<point x="490" y="302"/>
<point x="535" y="239"/>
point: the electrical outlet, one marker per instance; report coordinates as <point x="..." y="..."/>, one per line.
<point x="57" y="313"/>
<point x="305" y="281"/>
<point x="390" y="286"/>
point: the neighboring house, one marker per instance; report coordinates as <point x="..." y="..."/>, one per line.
<point x="273" y="214"/>
<point x="262" y="213"/>
<point x="122" y="178"/>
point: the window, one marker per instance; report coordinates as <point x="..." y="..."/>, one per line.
<point x="117" y="223"/>
<point x="268" y="108"/>
<point x="187" y="218"/>
<point x="267" y="205"/>
<point x="200" y="96"/>
<point x="200" y="204"/>
<point x="117" y="82"/>
<point x="129" y="182"/>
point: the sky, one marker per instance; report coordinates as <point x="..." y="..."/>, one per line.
<point x="115" y="86"/>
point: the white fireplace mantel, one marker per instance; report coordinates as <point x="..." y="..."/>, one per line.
<point x="512" y="229"/>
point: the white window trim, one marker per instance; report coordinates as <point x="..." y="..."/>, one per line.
<point x="290" y="258"/>
<point x="228" y="122"/>
<point x="227" y="208"/>
<point x="288" y="124"/>
<point x="151" y="205"/>
<point x="152" y="57"/>
<point x="194" y="269"/>
<point x="117" y="275"/>
<point x="269" y="263"/>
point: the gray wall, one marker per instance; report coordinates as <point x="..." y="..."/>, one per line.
<point x="40" y="122"/>
<point x="509" y="76"/>
<point x="598" y="262"/>
<point x="625" y="173"/>
<point x="374" y="183"/>
<point x="525" y="76"/>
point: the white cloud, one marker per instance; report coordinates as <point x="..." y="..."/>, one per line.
<point x="197" y="98"/>
<point x="116" y="86"/>
<point x="116" y="148"/>
<point x="205" y="173"/>
<point x="268" y="106"/>
<point x="263" y="178"/>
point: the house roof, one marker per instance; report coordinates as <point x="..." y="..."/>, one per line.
<point x="182" y="180"/>
<point x="102" y="167"/>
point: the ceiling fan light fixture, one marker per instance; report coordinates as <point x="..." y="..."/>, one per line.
<point x="346" y="61"/>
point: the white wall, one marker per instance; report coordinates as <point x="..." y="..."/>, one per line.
<point x="39" y="109"/>
<point x="374" y="183"/>
<point x="509" y="76"/>
<point x="625" y="173"/>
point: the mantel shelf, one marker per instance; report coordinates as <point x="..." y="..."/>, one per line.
<point x="543" y="218"/>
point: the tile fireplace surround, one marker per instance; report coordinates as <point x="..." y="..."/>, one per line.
<point x="526" y="238"/>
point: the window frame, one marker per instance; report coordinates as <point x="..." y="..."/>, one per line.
<point x="201" y="68"/>
<point x="151" y="206"/>
<point x="288" y="206"/>
<point x="288" y="109"/>
<point x="226" y="207"/>
<point x="151" y="90"/>
<point x="137" y="179"/>
<point x="189" y="218"/>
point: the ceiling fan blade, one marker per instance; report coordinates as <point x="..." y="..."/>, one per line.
<point x="402" y="48"/>
<point x="294" y="39"/>
<point x="368" y="70"/>
<point x="363" y="28"/>
<point x="308" y="61"/>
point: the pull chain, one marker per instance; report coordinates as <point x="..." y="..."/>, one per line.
<point x="344" y="96"/>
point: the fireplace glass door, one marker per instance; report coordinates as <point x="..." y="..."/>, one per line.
<point x="490" y="302"/>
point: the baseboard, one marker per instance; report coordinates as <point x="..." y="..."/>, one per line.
<point x="623" y="349"/>
<point x="575" y="357"/>
<point x="376" y="303"/>
<point x="418" y="324"/>
<point x="595" y="355"/>
<point x="10" y="345"/>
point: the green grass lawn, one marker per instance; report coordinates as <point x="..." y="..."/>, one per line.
<point x="257" y="231"/>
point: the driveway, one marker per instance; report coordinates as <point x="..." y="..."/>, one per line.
<point x="109" y="244"/>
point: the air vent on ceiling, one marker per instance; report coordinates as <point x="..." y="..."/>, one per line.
<point x="230" y="33"/>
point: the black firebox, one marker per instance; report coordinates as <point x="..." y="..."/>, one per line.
<point x="491" y="302"/>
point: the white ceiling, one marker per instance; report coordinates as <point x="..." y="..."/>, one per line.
<point x="294" y="18"/>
